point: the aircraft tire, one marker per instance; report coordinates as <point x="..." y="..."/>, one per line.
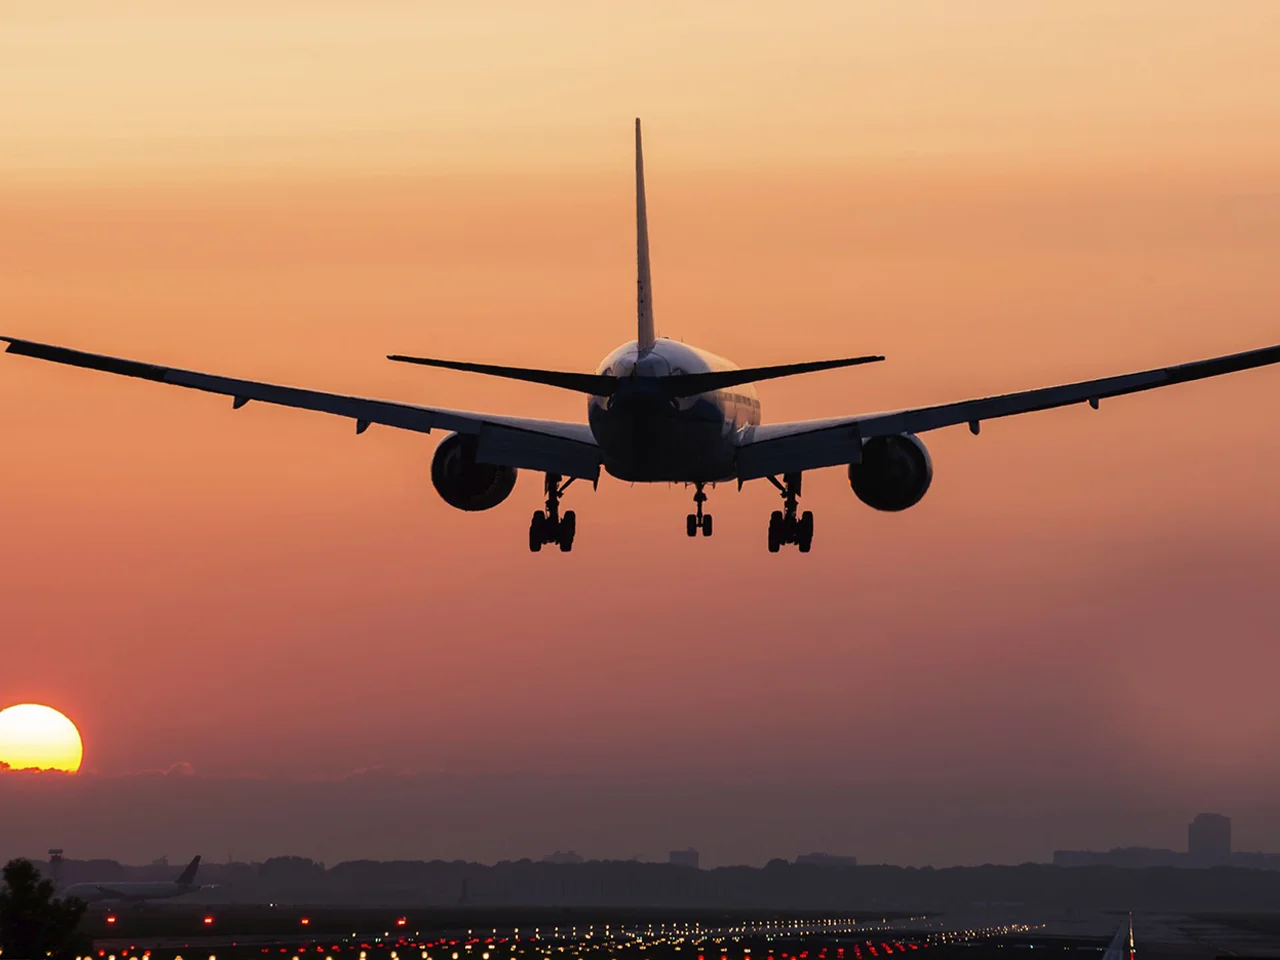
<point x="535" y="531"/>
<point x="568" y="527"/>
<point x="706" y="524"/>
<point x="775" y="531"/>
<point x="804" y="535"/>
<point x="691" y="525"/>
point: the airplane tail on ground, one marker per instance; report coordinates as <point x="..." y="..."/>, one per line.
<point x="188" y="876"/>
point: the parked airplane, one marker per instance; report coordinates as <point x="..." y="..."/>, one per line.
<point x="662" y="411"/>
<point x="137" y="891"/>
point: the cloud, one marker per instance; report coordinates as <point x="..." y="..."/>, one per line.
<point x="15" y="772"/>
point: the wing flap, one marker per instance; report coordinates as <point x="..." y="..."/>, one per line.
<point x="509" y="447"/>
<point x="808" y="445"/>
<point x="557" y="447"/>
<point x="833" y="446"/>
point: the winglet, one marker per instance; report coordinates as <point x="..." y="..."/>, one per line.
<point x="644" y="284"/>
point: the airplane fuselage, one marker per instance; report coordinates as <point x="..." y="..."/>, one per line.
<point x="126" y="892"/>
<point x="647" y="436"/>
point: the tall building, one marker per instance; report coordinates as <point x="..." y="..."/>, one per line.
<point x="684" y="858"/>
<point x="1209" y="840"/>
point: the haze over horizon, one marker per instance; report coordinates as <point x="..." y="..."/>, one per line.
<point x="995" y="200"/>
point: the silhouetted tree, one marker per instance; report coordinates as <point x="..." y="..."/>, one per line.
<point x="34" y="923"/>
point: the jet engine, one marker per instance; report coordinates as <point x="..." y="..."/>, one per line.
<point x="465" y="484"/>
<point x="894" y="474"/>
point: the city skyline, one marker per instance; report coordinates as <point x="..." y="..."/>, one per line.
<point x="382" y="815"/>
<point x="1077" y="624"/>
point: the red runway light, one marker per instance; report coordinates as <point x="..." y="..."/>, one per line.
<point x="306" y="921"/>
<point x="208" y="920"/>
<point x="111" y="918"/>
<point x="401" y="921"/>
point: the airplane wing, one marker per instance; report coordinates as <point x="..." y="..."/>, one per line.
<point x="810" y="444"/>
<point x="113" y="894"/>
<point x="550" y="446"/>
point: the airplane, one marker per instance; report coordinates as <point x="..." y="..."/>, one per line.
<point x="136" y="891"/>
<point x="661" y="411"/>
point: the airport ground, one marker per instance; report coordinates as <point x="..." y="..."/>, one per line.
<point x="168" y="932"/>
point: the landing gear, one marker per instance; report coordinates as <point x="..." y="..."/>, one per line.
<point x="784" y="525"/>
<point x="698" y="521"/>
<point x="548" y="526"/>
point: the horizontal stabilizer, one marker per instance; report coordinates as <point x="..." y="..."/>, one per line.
<point x="690" y="384"/>
<point x="592" y="383"/>
<point x="677" y="385"/>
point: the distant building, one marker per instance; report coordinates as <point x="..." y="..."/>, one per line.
<point x="1131" y="857"/>
<point x="684" y="858"/>
<point x="1255" y="861"/>
<point x="826" y="860"/>
<point x="1209" y="840"/>
<point x="562" y="856"/>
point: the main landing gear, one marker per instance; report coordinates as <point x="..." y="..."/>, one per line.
<point x="548" y="526"/>
<point x="784" y="525"/>
<point x="698" y="521"/>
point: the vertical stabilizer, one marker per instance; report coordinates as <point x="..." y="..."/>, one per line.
<point x="644" y="285"/>
<point x="188" y="876"/>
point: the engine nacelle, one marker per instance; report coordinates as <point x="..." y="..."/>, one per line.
<point x="894" y="474"/>
<point x="465" y="484"/>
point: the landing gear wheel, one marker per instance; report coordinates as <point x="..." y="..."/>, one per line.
<point x="550" y="525"/>
<point x="785" y="526"/>
<point x="775" y="531"/>
<point x="698" y="520"/>
<point x="536" y="528"/>
<point x="568" y="527"/>
<point x="804" y="531"/>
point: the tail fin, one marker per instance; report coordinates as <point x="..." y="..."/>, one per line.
<point x="644" y="284"/>
<point x="188" y="876"/>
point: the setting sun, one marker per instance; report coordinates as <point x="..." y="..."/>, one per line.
<point x="36" y="736"/>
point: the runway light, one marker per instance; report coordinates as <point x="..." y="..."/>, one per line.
<point x="208" y="922"/>
<point x="306" y="921"/>
<point x="401" y="921"/>
<point x="111" y="918"/>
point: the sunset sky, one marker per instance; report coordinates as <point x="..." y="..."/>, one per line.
<point x="995" y="195"/>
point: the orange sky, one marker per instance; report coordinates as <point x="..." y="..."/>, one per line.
<point x="996" y="200"/>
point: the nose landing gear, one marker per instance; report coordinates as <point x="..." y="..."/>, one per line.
<point x="549" y="526"/>
<point x="698" y="520"/>
<point x="784" y="525"/>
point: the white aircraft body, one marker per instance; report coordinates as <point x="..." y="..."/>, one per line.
<point x="137" y="891"/>
<point x="663" y="411"/>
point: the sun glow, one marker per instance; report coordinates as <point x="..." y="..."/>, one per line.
<point x="36" y="736"/>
